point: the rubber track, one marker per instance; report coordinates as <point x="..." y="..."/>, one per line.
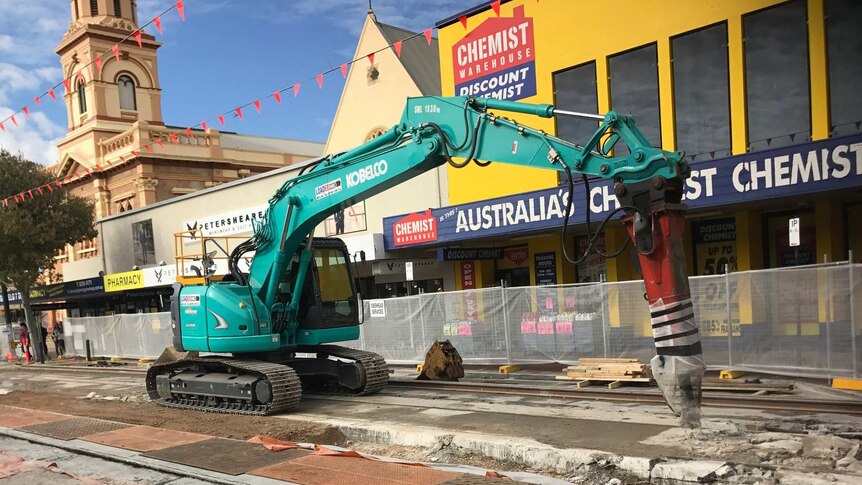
<point x="376" y="369"/>
<point x="285" y="385"/>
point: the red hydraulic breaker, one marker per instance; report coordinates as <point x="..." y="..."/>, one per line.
<point x="656" y="222"/>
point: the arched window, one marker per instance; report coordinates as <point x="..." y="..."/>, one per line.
<point x="127" y="93"/>
<point x="82" y="98"/>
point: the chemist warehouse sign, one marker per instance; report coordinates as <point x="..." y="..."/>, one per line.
<point x="497" y="59"/>
<point x="802" y="169"/>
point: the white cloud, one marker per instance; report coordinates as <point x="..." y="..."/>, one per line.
<point x="35" y="137"/>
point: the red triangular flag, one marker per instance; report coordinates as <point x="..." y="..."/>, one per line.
<point x="66" y="85"/>
<point x="238" y="112"/>
<point x="50" y="189"/>
<point x="174" y="138"/>
<point x="2" y="128"/>
<point x="204" y="125"/>
<point x="397" y="46"/>
<point x="371" y="58"/>
<point x="98" y="61"/>
<point x="15" y="197"/>
<point x="496" y="6"/>
<point x="6" y="202"/>
<point x="256" y="106"/>
<point x="181" y="10"/>
<point x="277" y="96"/>
<point x="221" y="119"/>
<point x="58" y="183"/>
<point x="138" y="38"/>
<point x="344" y="70"/>
<point x="320" y="81"/>
<point x="189" y="132"/>
<point x="463" y="20"/>
<point x="428" y="36"/>
<point x="148" y="148"/>
<point x="13" y="120"/>
<point x="122" y="159"/>
<point x="26" y="111"/>
<point x="81" y="76"/>
<point x="158" y="23"/>
<point x="88" y="171"/>
<point x="52" y="94"/>
<point x="98" y="168"/>
<point x="109" y="163"/>
<point x="134" y="153"/>
<point x="159" y="142"/>
<point x="295" y="89"/>
<point x="116" y="49"/>
<point x="41" y="192"/>
<point x="31" y="193"/>
<point x="38" y="101"/>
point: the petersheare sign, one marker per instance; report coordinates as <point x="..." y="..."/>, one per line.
<point x="820" y="166"/>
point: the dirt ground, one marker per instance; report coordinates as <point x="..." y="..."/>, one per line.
<point x="145" y="413"/>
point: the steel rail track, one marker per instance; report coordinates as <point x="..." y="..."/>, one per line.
<point x="711" y="399"/>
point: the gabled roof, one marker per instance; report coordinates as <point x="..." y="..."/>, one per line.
<point x="420" y="60"/>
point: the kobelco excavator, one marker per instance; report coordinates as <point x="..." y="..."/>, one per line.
<point x="299" y="293"/>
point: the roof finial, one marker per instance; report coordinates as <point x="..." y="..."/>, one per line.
<point x="371" y="11"/>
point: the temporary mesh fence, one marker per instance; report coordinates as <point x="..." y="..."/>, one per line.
<point x="793" y="321"/>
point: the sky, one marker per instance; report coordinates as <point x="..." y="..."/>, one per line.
<point x="226" y="53"/>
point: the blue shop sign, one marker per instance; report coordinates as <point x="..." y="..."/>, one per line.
<point x="84" y="287"/>
<point x="820" y="166"/>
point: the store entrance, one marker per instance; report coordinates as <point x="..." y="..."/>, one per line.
<point x="513" y="277"/>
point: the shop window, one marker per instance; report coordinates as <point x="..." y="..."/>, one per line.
<point x="634" y="90"/>
<point x="854" y="231"/>
<point x="776" y="76"/>
<point x="126" y="86"/>
<point x="714" y="246"/>
<point x="408" y="288"/>
<point x="843" y="43"/>
<point x="575" y="90"/>
<point x="701" y="94"/>
<point x="143" y="242"/>
<point x="778" y="250"/>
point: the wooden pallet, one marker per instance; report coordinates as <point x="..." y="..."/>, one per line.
<point x="614" y="371"/>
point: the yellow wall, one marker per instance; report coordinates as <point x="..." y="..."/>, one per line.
<point x="571" y="32"/>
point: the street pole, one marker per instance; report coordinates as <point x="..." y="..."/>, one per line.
<point x="7" y="312"/>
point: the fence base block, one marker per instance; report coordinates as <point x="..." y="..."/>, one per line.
<point x="508" y="369"/>
<point x="851" y="384"/>
<point x="731" y="374"/>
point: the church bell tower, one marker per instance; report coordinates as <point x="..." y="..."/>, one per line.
<point x="101" y="104"/>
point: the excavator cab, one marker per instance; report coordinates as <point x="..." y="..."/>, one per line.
<point x="329" y="297"/>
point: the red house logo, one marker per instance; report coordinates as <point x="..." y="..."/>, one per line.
<point x="415" y="229"/>
<point x="497" y="59"/>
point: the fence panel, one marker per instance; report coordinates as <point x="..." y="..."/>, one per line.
<point x="802" y="321"/>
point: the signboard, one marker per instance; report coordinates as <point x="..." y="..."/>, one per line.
<point x="794" y="232"/>
<point x="824" y="165"/>
<point x="467" y="270"/>
<point x="468" y="254"/>
<point x="517" y="255"/>
<point x="414" y="229"/>
<point x="470" y="300"/>
<point x="377" y="308"/>
<point x="129" y="280"/>
<point x="714" y="245"/>
<point x="497" y="59"/>
<point x="227" y="223"/>
<point x="408" y="269"/>
<point x="160" y="276"/>
<point x="546" y="268"/>
<point x="83" y="287"/>
<point x="379" y="268"/>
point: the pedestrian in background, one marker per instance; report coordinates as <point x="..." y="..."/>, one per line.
<point x="24" y="340"/>
<point x="44" y="341"/>
<point x="59" y="341"/>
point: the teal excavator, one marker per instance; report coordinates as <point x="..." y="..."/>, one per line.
<point x="271" y="328"/>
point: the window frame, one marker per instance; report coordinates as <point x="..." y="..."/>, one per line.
<point x="608" y="59"/>
<point x="82" y="97"/>
<point x="120" y="88"/>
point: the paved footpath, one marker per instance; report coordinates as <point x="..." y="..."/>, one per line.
<point x="166" y="456"/>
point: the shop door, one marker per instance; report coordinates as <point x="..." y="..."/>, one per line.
<point x="513" y="277"/>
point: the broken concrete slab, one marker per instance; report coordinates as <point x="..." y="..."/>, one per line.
<point x="789" y="446"/>
<point x="825" y="446"/>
